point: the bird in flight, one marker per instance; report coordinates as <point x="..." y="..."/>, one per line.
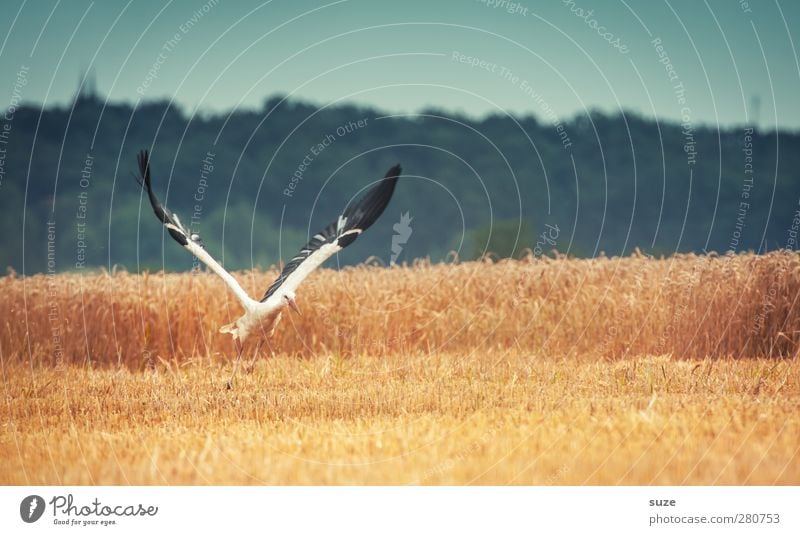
<point x="261" y="317"/>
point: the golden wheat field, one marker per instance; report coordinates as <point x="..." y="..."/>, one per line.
<point x="682" y="370"/>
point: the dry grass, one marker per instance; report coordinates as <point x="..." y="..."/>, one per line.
<point x="432" y="420"/>
<point x="685" y="306"/>
<point x="609" y="371"/>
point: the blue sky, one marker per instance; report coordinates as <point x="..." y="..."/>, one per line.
<point x="735" y="62"/>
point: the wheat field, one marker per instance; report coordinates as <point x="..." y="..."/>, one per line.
<point x="680" y="370"/>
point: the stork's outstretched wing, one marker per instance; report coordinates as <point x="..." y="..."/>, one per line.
<point x="356" y="218"/>
<point x="181" y="234"/>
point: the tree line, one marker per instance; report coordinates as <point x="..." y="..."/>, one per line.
<point x="257" y="183"/>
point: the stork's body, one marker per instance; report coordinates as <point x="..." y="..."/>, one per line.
<point x="259" y="320"/>
<point x="261" y="317"/>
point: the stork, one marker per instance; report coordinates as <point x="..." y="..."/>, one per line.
<point x="261" y="317"/>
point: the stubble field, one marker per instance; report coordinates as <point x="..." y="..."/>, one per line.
<point x="607" y="371"/>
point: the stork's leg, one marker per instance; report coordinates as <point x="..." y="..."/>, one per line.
<point x="269" y="345"/>
<point x="252" y="362"/>
<point x="239" y="348"/>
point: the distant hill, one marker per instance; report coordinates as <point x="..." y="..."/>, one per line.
<point x="256" y="183"/>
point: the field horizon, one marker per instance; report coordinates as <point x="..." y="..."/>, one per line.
<point x="611" y="371"/>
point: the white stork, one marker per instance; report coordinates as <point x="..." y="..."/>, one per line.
<point x="261" y="317"/>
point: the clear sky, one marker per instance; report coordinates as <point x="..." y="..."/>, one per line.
<point x="722" y="61"/>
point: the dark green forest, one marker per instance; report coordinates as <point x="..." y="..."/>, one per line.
<point x="256" y="183"/>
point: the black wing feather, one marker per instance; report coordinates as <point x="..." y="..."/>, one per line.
<point x="357" y="216"/>
<point x="179" y="232"/>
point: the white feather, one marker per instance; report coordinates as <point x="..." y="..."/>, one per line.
<point x="307" y="266"/>
<point x="247" y="302"/>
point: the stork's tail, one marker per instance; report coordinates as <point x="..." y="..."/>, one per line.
<point x="231" y="329"/>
